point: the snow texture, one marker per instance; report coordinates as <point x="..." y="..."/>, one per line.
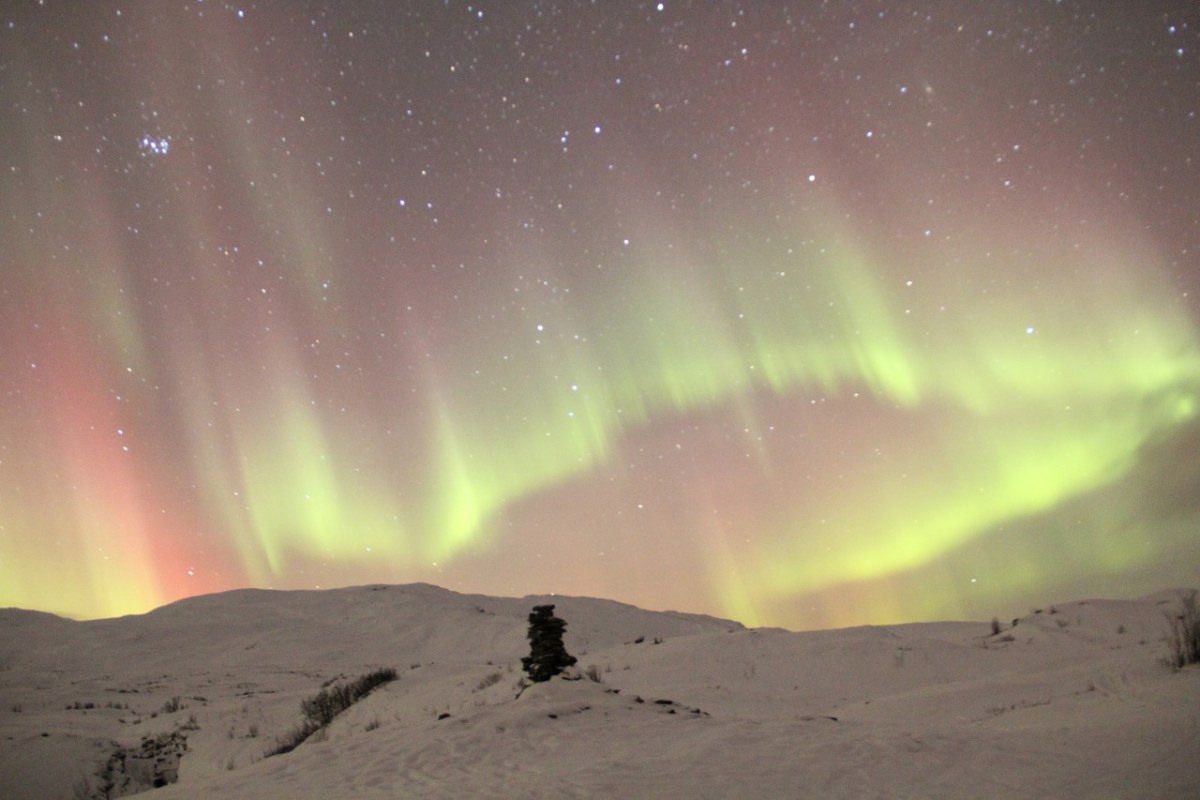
<point x="1074" y="700"/>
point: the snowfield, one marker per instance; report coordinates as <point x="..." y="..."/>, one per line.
<point x="1073" y="701"/>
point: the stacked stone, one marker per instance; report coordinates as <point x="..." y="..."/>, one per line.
<point x="547" y="654"/>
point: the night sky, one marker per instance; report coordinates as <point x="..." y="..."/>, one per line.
<point x="805" y="314"/>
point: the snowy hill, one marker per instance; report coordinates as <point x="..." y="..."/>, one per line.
<point x="1072" y="701"/>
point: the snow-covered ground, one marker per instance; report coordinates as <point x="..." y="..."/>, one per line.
<point x="1074" y="701"/>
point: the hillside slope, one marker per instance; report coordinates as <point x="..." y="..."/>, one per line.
<point x="1072" y="701"/>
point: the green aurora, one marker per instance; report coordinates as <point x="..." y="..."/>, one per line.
<point x="698" y="312"/>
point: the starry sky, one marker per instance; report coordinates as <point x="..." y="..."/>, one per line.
<point x="805" y="314"/>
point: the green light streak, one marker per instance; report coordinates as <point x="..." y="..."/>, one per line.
<point x="522" y="403"/>
<point x="1018" y="469"/>
<point x="1036" y="414"/>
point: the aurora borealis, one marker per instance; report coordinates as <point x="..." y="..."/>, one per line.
<point x="802" y="313"/>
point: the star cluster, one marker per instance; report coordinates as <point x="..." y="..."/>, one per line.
<point x="807" y="314"/>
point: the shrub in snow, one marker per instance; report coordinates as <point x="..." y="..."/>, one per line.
<point x="1183" y="640"/>
<point x="547" y="654"/>
<point x="320" y="709"/>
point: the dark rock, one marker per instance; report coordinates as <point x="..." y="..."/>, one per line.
<point x="547" y="654"/>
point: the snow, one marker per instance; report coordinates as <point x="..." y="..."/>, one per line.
<point x="1071" y="702"/>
